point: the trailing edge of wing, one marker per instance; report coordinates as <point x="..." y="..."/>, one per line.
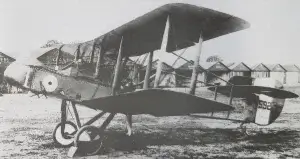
<point x="155" y="102"/>
<point x="242" y="91"/>
<point x="145" y="33"/>
<point x="187" y="22"/>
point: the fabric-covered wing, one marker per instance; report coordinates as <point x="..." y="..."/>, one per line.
<point x="155" y="102"/>
<point x="186" y="22"/>
<point x="242" y="91"/>
<point x="145" y="33"/>
<point x="49" y="56"/>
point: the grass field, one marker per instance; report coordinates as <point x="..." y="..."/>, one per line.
<point x="27" y="123"/>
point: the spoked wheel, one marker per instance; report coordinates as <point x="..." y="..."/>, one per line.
<point x="67" y="138"/>
<point x="89" y="140"/>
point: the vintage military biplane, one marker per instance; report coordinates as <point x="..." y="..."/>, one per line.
<point x="95" y="74"/>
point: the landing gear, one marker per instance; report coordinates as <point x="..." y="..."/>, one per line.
<point x="64" y="137"/>
<point x="89" y="139"/>
<point x="244" y="130"/>
<point x="129" y="124"/>
<point x="85" y="138"/>
<point x="64" y="132"/>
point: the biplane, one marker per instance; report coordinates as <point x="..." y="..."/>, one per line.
<point x="94" y="74"/>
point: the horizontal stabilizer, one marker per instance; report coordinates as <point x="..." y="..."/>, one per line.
<point x="243" y="91"/>
<point x="156" y="102"/>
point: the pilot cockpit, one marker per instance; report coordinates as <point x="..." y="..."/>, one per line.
<point x="83" y="62"/>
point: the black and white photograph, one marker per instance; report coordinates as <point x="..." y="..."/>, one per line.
<point x="178" y="79"/>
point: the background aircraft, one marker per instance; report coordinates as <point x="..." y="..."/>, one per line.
<point x="100" y="81"/>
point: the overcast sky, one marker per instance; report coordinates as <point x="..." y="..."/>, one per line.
<point x="272" y="37"/>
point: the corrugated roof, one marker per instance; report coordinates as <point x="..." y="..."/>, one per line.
<point x="231" y="65"/>
<point x="4" y="55"/>
<point x="207" y="65"/>
<point x="31" y="57"/>
<point x="170" y="60"/>
<point x="155" y="63"/>
<point x="291" y="68"/>
<point x="186" y="66"/>
<point x="270" y="66"/>
<point x="260" y="68"/>
<point x="189" y="66"/>
<point x="278" y="68"/>
<point x="239" y="67"/>
<point x="219" y="66"/>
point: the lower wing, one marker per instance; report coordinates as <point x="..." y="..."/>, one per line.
<point x="156" y="102"/>
<point x="242" y="91"/>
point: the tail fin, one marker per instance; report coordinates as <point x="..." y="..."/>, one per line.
<point x="268" y="108"/>
<point x="264" y="97"/>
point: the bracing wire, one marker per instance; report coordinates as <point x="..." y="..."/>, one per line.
<point x="203" y="69"/>
<point x="173" y="64"/>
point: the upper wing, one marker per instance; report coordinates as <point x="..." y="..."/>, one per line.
<point x="50" y="55"/>
<point x="242" y="91"/>
<point x="155" y="102"/>
<point x="186" y="23"/>
<point x="145" y="34"/>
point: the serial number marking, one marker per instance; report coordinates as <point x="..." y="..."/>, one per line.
<point x="268" y="105"/>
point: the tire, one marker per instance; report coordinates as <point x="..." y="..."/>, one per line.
<point x="89" y="140"/>
<point x="63" y="140"/>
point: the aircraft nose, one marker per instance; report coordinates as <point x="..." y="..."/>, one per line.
<point x="15" y="73"/>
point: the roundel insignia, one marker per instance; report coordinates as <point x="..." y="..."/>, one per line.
<point x="50" y="83"/>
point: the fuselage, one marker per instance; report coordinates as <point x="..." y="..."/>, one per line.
<point x="39" y="79"/>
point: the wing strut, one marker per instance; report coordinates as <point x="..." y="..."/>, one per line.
<point x="99" y="60"/>
<point x="196" y="65"/>
<point x="202" y="69"/>
<point x="78" y="123"/>
<point x="158" y="74"/>
<point x="93" y="53"/>
<point x="117" y="68"/>
<point x="148" y="71"/>
<point x="216" y="93"/>
<point x="58" y="57"/>
<point x="77" y="56"/>
<point x="135" y="74"/>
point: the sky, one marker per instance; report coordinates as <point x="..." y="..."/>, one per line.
<point x="272" y="37"/>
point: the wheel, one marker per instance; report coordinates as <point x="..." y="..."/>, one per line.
<point x="67" y="139"/>
<point x="244" y="131"/>
<point x="88" y="139"/>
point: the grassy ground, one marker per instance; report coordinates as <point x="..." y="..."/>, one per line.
<point x="27" y="123"/>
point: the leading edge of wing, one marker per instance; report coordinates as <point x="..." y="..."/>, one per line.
<point x="186" y="22"/>
<point x="156" y="102"/>
<point x="241" y="91"/>
<point x="145" y="33"/>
